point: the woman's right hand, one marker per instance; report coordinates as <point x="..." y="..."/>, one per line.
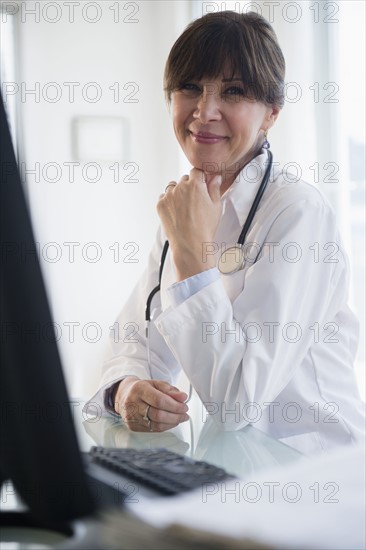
<point x="163" y="403"/>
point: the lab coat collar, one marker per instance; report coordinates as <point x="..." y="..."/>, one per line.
<point x="244" y="188"/>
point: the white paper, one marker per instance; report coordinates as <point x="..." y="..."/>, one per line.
<point x="317" y="504"/>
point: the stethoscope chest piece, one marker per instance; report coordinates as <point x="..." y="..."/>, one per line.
<point x="231" y="260"/>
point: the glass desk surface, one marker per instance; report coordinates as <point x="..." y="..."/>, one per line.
<point x="240" y="453"/>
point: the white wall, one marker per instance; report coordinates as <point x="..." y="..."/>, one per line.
<point x="103" y="212"/>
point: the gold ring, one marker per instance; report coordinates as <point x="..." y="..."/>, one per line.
<point x="146" y="417"/>
<point x="170" y="185"/>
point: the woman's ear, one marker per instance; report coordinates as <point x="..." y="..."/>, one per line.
<point x="273" y="112"/>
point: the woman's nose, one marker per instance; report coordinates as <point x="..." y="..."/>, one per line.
<point x="208" y="105"/>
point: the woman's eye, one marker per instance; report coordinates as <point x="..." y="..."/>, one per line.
<point x="189" y="87"/>
<point x="234" y="90"/>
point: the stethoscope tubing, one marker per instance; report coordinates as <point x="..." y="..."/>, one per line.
<point x="241" y="238"/>
<point x="257" y="199"/>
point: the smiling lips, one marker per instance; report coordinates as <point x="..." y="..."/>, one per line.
<point x="207" y="137"/>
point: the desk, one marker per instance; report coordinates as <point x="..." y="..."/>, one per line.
<point x="310" y="523"/>
<point x="300" y="518"/>
<point x="240" y="453"/>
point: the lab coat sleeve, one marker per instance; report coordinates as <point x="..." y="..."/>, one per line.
<point x="246" y="351"/>
<point x="127" y="350"/>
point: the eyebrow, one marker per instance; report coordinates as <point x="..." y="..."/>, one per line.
<point x="232" y="79"/>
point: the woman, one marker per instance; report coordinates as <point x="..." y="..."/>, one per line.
<point x="270" y="342"/>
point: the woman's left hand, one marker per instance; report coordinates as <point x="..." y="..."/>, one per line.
<point x="190" y="212"/>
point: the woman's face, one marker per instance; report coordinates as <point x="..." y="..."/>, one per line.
<point x="236" y="123"/>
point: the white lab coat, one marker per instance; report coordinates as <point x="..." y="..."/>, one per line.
<point x="273" y="344"/>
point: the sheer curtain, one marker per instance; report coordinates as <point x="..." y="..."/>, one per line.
<point x="320" y="133"/>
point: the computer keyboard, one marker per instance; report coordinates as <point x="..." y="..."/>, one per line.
<point x="161" y="470"/>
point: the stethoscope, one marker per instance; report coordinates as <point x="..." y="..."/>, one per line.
<point x="231" y="260"/>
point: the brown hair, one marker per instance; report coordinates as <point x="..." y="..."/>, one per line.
<point x="246" y="41"/>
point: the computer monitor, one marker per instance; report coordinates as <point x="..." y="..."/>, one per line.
<point x="38" y="446"/>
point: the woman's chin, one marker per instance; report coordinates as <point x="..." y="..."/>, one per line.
<point x="210" y="173"/>
<point x="208" y="166"/>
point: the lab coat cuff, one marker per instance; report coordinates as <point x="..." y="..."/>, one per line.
<point x="181" y="291"/>
<point x="202" y="305"/>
